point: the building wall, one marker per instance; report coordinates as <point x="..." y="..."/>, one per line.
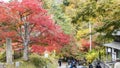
<point x="113" y="55"/>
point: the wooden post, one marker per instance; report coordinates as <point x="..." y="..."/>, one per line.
<point x="8" y="51"/>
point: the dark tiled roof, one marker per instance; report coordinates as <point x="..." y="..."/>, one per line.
<point x="115" y="45"/>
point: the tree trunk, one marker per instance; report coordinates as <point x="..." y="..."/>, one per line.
<point x="25" y="52"/>
<point x="26" y="41"/>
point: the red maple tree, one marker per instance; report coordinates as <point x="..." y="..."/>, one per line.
<point x="28" y="23"/>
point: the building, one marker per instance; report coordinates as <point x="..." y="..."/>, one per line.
<point x="113" y="48"/>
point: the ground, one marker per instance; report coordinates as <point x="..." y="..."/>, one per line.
<point x="63" y="65"/>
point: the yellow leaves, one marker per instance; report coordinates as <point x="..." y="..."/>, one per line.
<point x="47" y="4"/>
<point x="82" y="33"/>
<point x="75" y="2"/>
<point x="72" y="6"/>
<point x="70" y="10"/>
<point x="111" y="28"/>
<point x="102" y="52"/>
<point x="93" y="20"/>
<point x="91" y="56"/>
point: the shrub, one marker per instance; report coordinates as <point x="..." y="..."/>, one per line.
<point x="41" y="61"/>
<point x="38" y="61"/>
<point x="27" y="65"/>
<point x="3" y="56"/>
<point x="17" y="54"/>
<point x="91" y="55"/>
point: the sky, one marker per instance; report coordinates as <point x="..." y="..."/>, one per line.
<point x="5" y="0"/>
<point x="9" y="0"/>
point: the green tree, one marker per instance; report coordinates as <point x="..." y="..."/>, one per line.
<point x="102" y="14"/>
<point x="59" y="16"/>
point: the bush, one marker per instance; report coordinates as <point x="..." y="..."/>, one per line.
<point x="91" y="55"/>
<point x="36" y="61"/>
<point x="17" y="54"/>
<point x="3" y="56"/>
<point x="41" y="61"/>
<point x="27" y="65"/>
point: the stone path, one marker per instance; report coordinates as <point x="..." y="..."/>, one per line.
<point x="2" y="65"/>
<point x="63" y="65"/>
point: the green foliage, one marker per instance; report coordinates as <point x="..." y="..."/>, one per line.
<point x="98" y="53"/>
<point x="91" y="55"/>
<point x="83" y="12"/>
<point x="47" y="4"/>
<point x="72" y="51"/>
<point x="37" y="61"/>
<point x="27" y="65"/>
<point x="41" y="61"/>
<point x="59" y="16"/>
<point x="17" y="54"/>
<point x="102" y="14"/>
<point x="82" y="33"/>
<point x="63" y="20"/>
<point x="3" y="56"/>
<point x="110" y="18"/>
<point x="65" y="2"/>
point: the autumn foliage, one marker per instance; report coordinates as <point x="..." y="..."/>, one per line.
<point x="85" y="44"/>
<point x="42" y="33"/>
